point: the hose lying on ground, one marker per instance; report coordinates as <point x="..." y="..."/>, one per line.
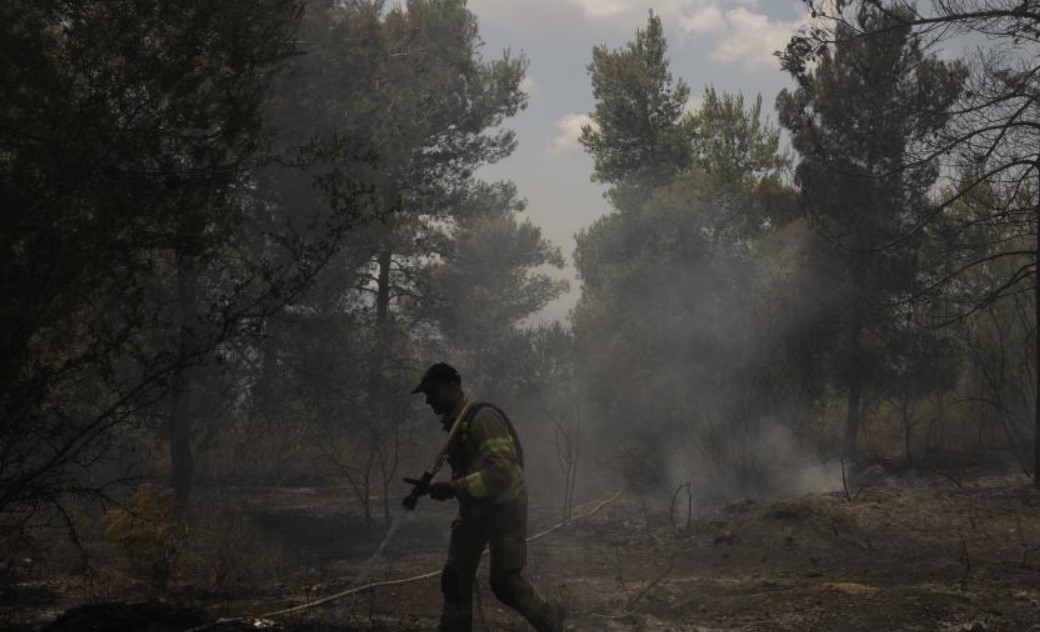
<point x="392" y="582"/>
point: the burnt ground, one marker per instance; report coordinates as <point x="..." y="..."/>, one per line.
<point x="914" y="554"/>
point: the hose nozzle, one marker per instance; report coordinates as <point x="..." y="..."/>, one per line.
<point x="420" y="487"/>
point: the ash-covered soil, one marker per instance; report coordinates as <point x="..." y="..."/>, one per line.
<point x="913" y="554"/>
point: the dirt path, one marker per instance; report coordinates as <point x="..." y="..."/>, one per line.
<point x="910" y="557"/>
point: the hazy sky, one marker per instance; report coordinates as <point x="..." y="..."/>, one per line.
<point x="725" y="43"/>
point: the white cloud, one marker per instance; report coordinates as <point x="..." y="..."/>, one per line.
<point x="604" y="9"/>
<point x="552" y="14"/>
<point x="568" y="130"/>
<point x="704" y="20"/>
<point x="737" y="31"/>
<point x="533" y="15"/>
<point x="752" y="38"/>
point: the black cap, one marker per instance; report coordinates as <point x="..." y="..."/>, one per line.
<point x="437" y="374"/>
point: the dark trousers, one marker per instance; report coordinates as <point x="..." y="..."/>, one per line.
<point x="503" y="530"/>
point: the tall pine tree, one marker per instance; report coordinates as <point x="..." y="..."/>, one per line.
<point x="856" y="119"/>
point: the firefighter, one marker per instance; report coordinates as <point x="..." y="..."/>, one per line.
<point x="488" y="481"/>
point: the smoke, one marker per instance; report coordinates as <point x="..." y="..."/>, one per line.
<point x="771" y="461"/>
<point x="704" y="365"/>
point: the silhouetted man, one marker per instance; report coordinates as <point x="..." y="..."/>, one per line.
<point x="488" y="481"/>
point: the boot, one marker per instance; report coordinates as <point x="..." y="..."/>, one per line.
<point x="455" y="618"/>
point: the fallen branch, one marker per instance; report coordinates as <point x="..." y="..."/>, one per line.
<point x="648" y="587"/>
<point x="588" y="514"/>
<point x="391" y="582"/>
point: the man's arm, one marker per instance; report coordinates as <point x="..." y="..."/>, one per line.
<point x="498" y="468"/>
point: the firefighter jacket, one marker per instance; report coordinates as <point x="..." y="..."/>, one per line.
<point x="486" y="459"/>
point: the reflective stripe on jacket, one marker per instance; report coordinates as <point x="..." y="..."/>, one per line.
<point x="487" y="461"/>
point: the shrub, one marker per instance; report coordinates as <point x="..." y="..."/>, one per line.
<point x="225" y="548"/>
<point x="150" y="530"/>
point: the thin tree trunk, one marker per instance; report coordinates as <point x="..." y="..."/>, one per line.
<point x="907" y="429"/>
<point x="383" y="291"/>
<point x="1036" y="358"/>
<point x="855" y="389"/>
<point x="262" y="399"/>
<point x="367" y="502"/>
<point x="377" y="381"/>
<point x="181" y="464"/>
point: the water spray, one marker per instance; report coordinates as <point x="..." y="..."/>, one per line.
<point x="420" y="487"/>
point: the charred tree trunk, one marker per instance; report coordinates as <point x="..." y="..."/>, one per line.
<point x="181" y="463"/>
<point x="907" y="427"/>
<point x="263" y="398"/>
<point x="1036" y="351"/>
<point x="379" y="389"/>
<point x="384" y="261"/>
<point x="855" y="389"/>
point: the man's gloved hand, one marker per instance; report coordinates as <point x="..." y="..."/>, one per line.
<point x="442" y="491"/>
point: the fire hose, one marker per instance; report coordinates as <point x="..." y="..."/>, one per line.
<point x="389" y="583"/>
<point x="421" y="485"/>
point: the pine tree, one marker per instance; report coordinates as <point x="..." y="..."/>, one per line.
<point x="855" y="120"/>
<point x="640" y="135"/>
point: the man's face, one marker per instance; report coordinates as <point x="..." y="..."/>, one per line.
<point x="438" y="397"/>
